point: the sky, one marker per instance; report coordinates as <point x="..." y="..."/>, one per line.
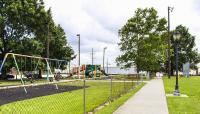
<point x="98" y="22"/>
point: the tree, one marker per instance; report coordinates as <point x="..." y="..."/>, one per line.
<point x="142" y="43"/>
<point x="187" y="52"/>
<point x="18" y="20"/>
<point x="25" y="26"/>
<point x="59" y="46"/>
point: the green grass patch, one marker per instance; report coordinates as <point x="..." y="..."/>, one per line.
<point x="71" y="102"/>
<point x="8" y="83"/>
<point x="18" y="82"/>
<point x="118" y="102"/>
<point x="189" y="86"/>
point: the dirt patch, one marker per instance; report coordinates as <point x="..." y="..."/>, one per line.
<point x="18" y="94"/>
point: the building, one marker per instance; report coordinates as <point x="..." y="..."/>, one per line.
<point x="118" y="70"/>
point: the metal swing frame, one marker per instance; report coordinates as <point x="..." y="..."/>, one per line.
<point x="49" y="72"/>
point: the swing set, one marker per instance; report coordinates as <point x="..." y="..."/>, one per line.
<point x="30" y="68"/>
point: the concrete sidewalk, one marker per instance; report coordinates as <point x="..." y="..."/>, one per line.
<point x="149" y="100"/>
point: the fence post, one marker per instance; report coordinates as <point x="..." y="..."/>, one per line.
<point x="142" y="78"/>
<point x="138" y="78"/>
<point x="132" y="83"/>
<point x="84" y="96"/>
<point x="124" y="85"/>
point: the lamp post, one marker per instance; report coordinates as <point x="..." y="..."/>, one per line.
<point x="169" y="9"/>
<point x="107" y="65"/>
<point x="104" y="49"/>
<point x="47" y="50"/>
<point x="176" y="39"/>
<point x="78" y="36"/>
<point x="92" y="57"/>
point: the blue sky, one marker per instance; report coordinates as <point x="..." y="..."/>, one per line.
<point x="99" y="20"/>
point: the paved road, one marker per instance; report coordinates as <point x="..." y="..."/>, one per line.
<point x="149" y="100"/>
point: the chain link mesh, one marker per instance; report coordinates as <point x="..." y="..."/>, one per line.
<point x="64" y="96"/>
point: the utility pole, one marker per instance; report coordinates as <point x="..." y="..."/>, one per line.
<point x="47" y="56"/>
<point x="104" y="49"/>
<point x="47" y="41"/>
<point x="170" y="9"/>
<point x="78" y="36"/>
<point x="92" y="57"/>
<point x="107" y="65"/>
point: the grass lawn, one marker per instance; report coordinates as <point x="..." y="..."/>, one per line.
<point x="7" y="83"/>
<point x="68" y="102"/>
<point x="18" y="82"/>
<point x="189" y="86"/>
<point x="118" y="102"/>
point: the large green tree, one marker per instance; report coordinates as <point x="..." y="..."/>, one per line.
<point x="142" y="43"/>
<point x="186" y="49"/>
<point x="18" y="20"/>
<point x="25" y="27"/>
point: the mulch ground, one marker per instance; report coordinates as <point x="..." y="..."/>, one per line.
<point x="18" y="94"/>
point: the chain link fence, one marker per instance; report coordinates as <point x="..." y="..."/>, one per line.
<point x="71" y="96"/>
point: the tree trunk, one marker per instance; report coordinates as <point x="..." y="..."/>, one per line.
<point x="172" y="71"/>
<point x="40" y="74"/>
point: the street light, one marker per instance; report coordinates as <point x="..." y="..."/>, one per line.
<point x="47" y="49"/>
<point x="104" y="49"/>
<point x="169" y="9"/>
<point x="107" y="65"/>
<point x="78" y="36"/>
<point x="176" y="39"/>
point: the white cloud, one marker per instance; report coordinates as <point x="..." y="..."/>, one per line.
<point x="99" y="20"/>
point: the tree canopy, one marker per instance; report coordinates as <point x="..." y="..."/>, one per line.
<point x="186" y="48"/>
<point x="142" y="42"/>
<point x="25" y="26"/>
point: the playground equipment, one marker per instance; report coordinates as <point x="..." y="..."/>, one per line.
<point x="93" y="71"/>
<point x="25" y="67"/>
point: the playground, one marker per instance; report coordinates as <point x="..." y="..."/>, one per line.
<point x="40" y="84"/>
<point x="68" y="98"/>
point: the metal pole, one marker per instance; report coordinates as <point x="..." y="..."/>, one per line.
<point x="2" y="64"/>
<point x="110" y="88"/>
<point x="107" y="65"/>
<point x="92" y="62"/>
<point x="22" y="81"/>
<point x="103" y="57"/>
<point x="170" y="9"/>
<point x="169" y="62"/>
<point x="176" y="92"/>
<point x="84" y="96"/>
<point x="78" y="35"/>
<point x="104" y="49"/>
<point x="137" y="78"/>
<point x="48" y="41"/>
<point x="47" y="51"/>
<point x="92" y="57"/>
<point x="69" y="66"/>
<point x="124" y="84"/>
<point x="132" y="83"/>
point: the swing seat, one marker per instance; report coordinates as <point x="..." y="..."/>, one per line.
<point x="10" y="77"/>
<point x="29" y="76"/>
<point x="58" y="76"/>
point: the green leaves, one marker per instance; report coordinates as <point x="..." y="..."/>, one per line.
<point x="25" y="26"/>
<point x="142" y="43"/>
<point x="187" y="52"/>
